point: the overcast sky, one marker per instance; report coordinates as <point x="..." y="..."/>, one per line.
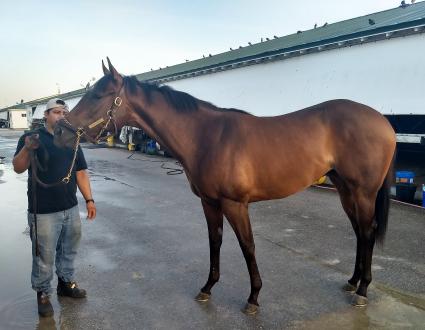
<point x="50" y="45"/>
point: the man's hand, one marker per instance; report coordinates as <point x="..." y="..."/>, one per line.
<point x="91" y="210"/>
<point x="32" y="142"/>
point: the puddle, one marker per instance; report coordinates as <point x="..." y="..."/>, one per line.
<point x="387" y="313"/>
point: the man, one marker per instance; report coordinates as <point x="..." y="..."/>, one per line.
<point x="57" y="228"/>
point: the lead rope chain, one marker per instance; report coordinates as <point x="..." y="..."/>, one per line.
<point x="79" y="133"/>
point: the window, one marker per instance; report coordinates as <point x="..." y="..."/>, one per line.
<point x="23" y="114"/>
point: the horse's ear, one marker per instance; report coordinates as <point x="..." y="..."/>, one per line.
<point x="114" y="72"/>
<point x="105" y="70"/>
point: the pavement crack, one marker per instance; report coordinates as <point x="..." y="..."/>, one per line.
<point x="105" y="177"/>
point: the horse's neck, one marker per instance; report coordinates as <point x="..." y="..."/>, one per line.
<point x="177" y="131"/>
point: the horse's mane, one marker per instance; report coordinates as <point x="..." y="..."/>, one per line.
<point x="181" y="101"/>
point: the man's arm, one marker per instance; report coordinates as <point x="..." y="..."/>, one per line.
<point x="83" y="184"/>
<point x="21" y="161"/>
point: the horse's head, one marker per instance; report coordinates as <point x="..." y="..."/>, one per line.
<point x="100" y="110"/>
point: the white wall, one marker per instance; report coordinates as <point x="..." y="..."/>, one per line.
<point x="387" y="75"/>
<point x="18" y="119"/>
<point x="39" y="111"/>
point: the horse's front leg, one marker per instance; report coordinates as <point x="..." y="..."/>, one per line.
<point x="214" y="217"/>
<point x="237" y="215"/>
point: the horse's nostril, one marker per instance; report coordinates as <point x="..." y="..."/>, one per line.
<point x="58" y="131"/>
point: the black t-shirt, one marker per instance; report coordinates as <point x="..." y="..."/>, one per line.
<point x="56" y="162"/>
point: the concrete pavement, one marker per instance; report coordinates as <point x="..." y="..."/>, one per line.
<point x="146" y="256"/>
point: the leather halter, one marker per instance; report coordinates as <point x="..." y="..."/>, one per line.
<point x="83" y="130"/>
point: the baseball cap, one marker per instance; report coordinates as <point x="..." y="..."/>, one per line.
<point x="56" y="103"/>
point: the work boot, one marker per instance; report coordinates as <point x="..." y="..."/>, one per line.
<point x="45" y="308"/>
<point x="70" y="289"/>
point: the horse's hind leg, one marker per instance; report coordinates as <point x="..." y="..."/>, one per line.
<point x="347" y="201"/>
<point x="214" y="217"/>
<point x="365" y="215"/>
<point x="237" y="215"/>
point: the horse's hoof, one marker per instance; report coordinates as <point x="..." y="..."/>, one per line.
<point x="250" y="309"/>
<point x="359" y="301"/>
<point x="349" y="288"/>
<point x="202" y="297"/>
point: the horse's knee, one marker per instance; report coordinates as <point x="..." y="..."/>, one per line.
<point x="248" y="249"/>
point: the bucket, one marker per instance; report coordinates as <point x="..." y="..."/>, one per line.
<point x="405" y="192"/>
<point x="131" y="147"/>
<point x="321" y="180"/>
<point x="110" y="141"/>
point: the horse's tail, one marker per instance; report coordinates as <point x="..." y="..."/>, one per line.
<point x="382" y="206"/>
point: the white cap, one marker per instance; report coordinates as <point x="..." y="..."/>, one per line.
<point x="56" y="103"/>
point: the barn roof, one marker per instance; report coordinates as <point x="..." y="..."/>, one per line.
<point x="399" y="18"/>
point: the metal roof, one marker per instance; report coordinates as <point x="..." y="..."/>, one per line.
<point x="388" y="20"/>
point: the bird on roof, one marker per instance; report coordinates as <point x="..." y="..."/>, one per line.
<point x="209" y="55"/>
<point x="325" y="24"/>
<point x="267" y="39"/>
<point x="203" y="55"/>
<point x="240" y="47"/>
<point x="276" y="37"/>
<point x="299" y="31"/>
<point x="231" y="48"/>
<point x="315" y="25"/>
<point x="249" y="43"/>
<point x="371" y="21"/>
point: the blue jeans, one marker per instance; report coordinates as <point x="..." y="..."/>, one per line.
<point x="58" y="233"/>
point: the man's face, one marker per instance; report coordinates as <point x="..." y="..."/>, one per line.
<point x="53" y="115"/>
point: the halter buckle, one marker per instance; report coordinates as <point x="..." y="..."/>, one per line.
<point x="118" y="101"/>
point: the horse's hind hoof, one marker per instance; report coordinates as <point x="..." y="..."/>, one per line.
<point x="250" y="309"/>
<point x="349" y="288"/>
<point x="359" y="301"/>
<point x="202" y="297"/>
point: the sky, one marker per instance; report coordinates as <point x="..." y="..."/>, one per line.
<point x="48" y="47"/>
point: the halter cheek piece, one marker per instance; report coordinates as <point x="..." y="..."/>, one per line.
<point x="80" y="131"/>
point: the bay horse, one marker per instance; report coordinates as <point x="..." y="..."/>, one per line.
<point x="232" y="158"/>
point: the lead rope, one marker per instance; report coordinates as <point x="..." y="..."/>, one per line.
<point x="34" y="197"/>
<point x="35" y="180"/>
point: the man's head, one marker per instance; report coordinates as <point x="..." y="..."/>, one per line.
<point x="55" y="110"/>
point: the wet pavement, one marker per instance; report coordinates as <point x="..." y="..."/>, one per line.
<point x="146" y="255"/>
